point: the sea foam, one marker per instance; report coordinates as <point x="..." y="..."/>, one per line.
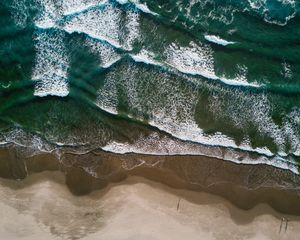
<point x="51" y="64"/>
<point x="217" y="40"/>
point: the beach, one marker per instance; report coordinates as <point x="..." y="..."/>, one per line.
<point x="122" y="199"/>
<point x="146" y="119"/>
<point x="243" y="185"/>
<point x="41" y="207"/>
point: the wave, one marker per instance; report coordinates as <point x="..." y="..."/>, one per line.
<point x="114" y="34"/>
<point x="189" y="131"/>
<point x="6" y="86"/>
<point x="51" y="15"/>
<point x="145" y="57"/>
<point x="167" y="147"/>
<point x="206" y="71"/>
<point x="107" y="54"/>
<point x="98" y="24"/>
<point x="208" y="12"/>
<point x="102" y="24"/>
<point x="217" y="40"/>
<point x="70" y="8"/>
<point x="188" y="55"/>
<point x="153" y="144"/>
<point x="182" y="100"/>
<point x="51" y="64"/>
<point x="143" y="7"/>
<point x="277" y="12"/>
<point x="190" y="140"/>
<point x="192" y="61"/>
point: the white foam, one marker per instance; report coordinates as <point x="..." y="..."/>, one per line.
<point x="241" y="109"/>
<point x="239" y="82"/>
<point x="218" y="40"/>
<point x="286" y="71"/>
<point x="133" y="31"/>
<point x="20" y="12"/>
<point x="107" y="96"/>
<point x="155" y="145"/>
<point x="191" y="132"/>
<point x="175" y="114"/>
<point x="51" y="65"/>
<point x="22" y="138"/>
<point x="275" y="161"/>
<point x="198" y="60"/>
<point x="122" y="1"/>
<point x="269" y="15"/>
<point x="227" y="16"/>
<point x="7" y="85"/>
<point x="47" y="15"/>
<point x="145" y="57"/>
<point x="143" y="7"/>
<point x="70" y="7"/>
<point x="171" y="106"/>
<point x="46" y="24"/>
<point x="257" y="4"/>
<point x="193" y="59"/>
<point x="102" y="24"/>
<point x="106" y="53"/>
<point x="291" y="130"/>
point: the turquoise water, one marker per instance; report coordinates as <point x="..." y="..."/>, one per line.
<point x="216" y="78"/>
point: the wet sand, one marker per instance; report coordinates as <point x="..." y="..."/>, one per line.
<point x="41" y="207"/>
<point x="243" y="185"/>
<point x="100" y="195"/>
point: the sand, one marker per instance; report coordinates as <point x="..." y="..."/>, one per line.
<point x="243" y="185"/>
<point x="42" y="207"/>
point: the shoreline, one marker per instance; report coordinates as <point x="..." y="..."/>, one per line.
<point x="245" y="186"/>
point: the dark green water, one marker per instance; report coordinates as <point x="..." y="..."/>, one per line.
<point x="215" y="77"/>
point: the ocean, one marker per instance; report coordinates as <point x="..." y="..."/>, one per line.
<point x="215" y="78"/>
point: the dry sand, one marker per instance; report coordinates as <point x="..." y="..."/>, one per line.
<point x="41" y="207"/>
